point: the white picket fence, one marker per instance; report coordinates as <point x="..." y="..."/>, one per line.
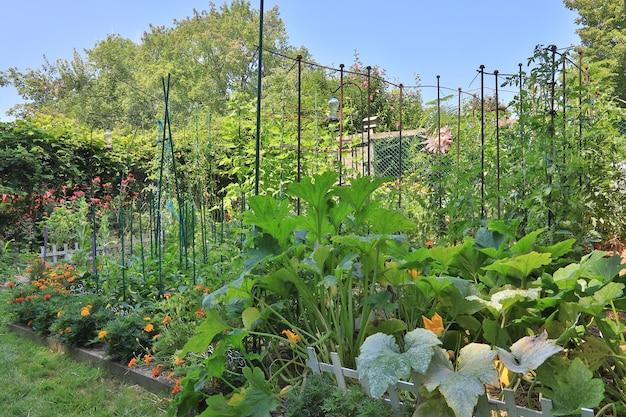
<point x="487" y="407"/>
<point x="54" y="254"/>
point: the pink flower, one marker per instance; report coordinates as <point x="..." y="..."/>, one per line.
<point x="95" y="201"/>
<point x="5" y="198"/>
<point x="79" y="194"/>
<point x="433" y="144"/>
<point x="107" y="186"/>
<point x="96" y="181"/>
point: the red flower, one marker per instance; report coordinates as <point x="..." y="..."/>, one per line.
<point x="47" y="297"/>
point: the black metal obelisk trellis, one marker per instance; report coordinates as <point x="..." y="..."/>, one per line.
<point x="482" y="141"/>
<point x="259" y="90"/>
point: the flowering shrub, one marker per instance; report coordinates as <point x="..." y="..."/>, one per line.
<point x="126" y="336"/>
<point x="80" y="319"/>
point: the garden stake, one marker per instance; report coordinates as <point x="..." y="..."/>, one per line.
<point x="341" y="66"/>
<point x="150" y="203"/>
<point x="482" y="141"/>
<point x="259" y="87"/>
<point x="193" y="242"/>
<point x="580" y="117"/>
<point x="521" y="128"/>
<point x="458" y="135"/>
<point x="400" y="167"/>
<point x="143" y="262"/>
<point x="551" y="129"/>
<point x="299" y="149"/>
<point x="121" y="224"/>
<point x="369" y="122"/>
<point x="439" y="159"/>
<point x="130" y="225"/>
<point x="495" y="73"/>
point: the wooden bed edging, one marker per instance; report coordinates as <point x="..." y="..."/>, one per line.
<point x="140" y="375"/>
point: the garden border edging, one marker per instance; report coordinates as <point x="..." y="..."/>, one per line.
<point x="137" y="376"/>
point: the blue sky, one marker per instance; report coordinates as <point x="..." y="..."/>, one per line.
<point x="406" y="37"/>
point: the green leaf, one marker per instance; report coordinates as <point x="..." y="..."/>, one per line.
<point x="527" y="243"/>
<point x="520" y="266"/>
<point x="461" y="388"/>
<point x="250" y="316"/>
<point x="575" y="388"/>
<point x="433" y="407"/>
<point x="272" y="216"/>
<point x="419" y="344"/>
<point x="504" y="299"/>
<point x="596" y="302"/>
<point x="528" y="353"/>
<point x="205" y="333"/>
<point x="259" y="395"/>
<point x="380" y="363"/>
<point x="560" y="248"/>
<point x="494" y="334"/>
<point x="385" y="221"/>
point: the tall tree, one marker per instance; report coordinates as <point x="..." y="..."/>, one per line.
<point x="603" y="34"/>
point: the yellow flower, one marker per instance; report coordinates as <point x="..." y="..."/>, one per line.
<point x="435" y="324"/>
<point x="178" y="361"/>
<point x="149" y="327"/>
<point x="146" y="318"/>
<point x="503" y="373"/>
<point x="60" y="313"/>
<point x="102" y="334"/>
<point x="166" y="320"/>
<point x="86" y="311"/>
<point x="293" y="337"/>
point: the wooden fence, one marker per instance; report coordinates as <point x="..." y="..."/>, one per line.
<point x="487" y="407"/>
<point x="54" y="254"/>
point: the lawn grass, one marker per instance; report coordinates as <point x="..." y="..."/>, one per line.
<point x="39" y="383"/>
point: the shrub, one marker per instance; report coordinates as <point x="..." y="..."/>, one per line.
<point x="126" y="336"/>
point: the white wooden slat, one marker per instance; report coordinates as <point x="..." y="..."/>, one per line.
<point x="54" y="253"/>
<point x="312" y="361"/>
<point x="338" y="371"/>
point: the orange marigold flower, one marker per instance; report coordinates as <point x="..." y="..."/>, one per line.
<point x="47" y="297"/>
<point x="200" y="313"/>
<point x="167" y="295"/>
<point x="10" y="284"/>
<point x="19" y="300"/>
<point x="178" y="361"/>
<point x="435" y="324"/>
<point x="132" y="363"/>
<point x="147" y="359"/>
<point x="102" y="334"/>
<point x="293" y="337"/>
<point x="71" y="279"/>
<point x="199" y="287"/>
<point x="166" y="320"/>
<point x="149" y="327"/>
<point x="67" y="274"/>
<point x="86" y="310"/>
<point x="156" y="371"/>
<point x="177" y="388"/>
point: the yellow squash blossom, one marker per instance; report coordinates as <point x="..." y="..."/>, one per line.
<point x="293" y="337"/>
<point x="435" y="324"/>
<point x="504" y="374"/>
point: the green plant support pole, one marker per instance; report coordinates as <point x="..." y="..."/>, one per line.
<point x="243" y="208"/>
<point x="482" y="142"/>
<point x="499" y="200"/>
<point x="521" y="131"/>
<point x="150" y="226"/>
<point x="551" y="129"/>
<point x="299" y="126"/>
<point x="203" y="233"/>
<point x="439" y="150"/>
<point x="193" y="241"/>
<point x="94" y="247"/>
<point x="223" y="220"/>
<point x="369" y="122"/>
<point x="186" y="240"/>
<point x="259" y="86"/>
<point x="400" y="156"/>
<point x="122" y="232"/>
<point x="141" y="247"/>
<point x="580" y="118"/>
<point x="130" y="226"/>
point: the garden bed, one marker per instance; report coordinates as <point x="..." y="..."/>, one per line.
<point x="140" y="375"/>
